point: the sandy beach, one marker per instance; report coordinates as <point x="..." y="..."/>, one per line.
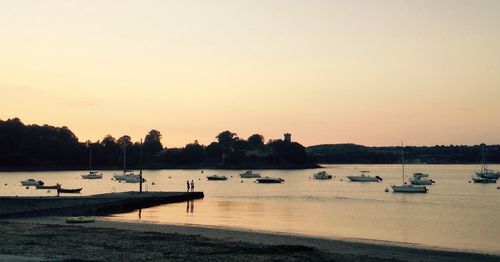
<point x="51" y="238"/>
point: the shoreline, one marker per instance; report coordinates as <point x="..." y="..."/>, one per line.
<point x="339" y="248"/>
<point x="316" y="166"/>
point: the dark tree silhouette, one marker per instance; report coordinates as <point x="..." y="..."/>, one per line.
<point x="256" y="141"/>
<point x="124" y="141"/>
<point x="152" y="142"/>
<point x="226" y="139"/>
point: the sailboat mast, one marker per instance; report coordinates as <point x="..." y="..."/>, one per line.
<point x="140" y="169"/>
<point x="124" y="157"/>
<point x="90" y="160"/>
<point x="403" y="162"/>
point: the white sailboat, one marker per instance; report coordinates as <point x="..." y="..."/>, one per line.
<point x="126" y="173"/>
<point x="91" y="174"/>
<point x="407" y="188"/>
<point x="485" y="175"/>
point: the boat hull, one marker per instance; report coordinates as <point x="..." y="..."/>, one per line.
<point x="484" y="180"/>
<point x="249" y="175"/>
<point x="422" y="182"/>
<point x="69" y="191"/>
<point x="216" y="178"/>
<point x="45" y="187"/>
<point x="270" y="180"/>
<point x="363" y="179"/>
<point x="409" y="189"/>
<point x="92" y="176"/>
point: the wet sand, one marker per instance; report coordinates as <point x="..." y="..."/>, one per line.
<point x="105" y="240"/>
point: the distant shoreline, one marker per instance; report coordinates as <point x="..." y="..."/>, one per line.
<point x="108" y="168"/>
<point x="316" y="166"/>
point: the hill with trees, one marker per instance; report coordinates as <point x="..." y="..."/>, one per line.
<point x="34" y="147"/>
<point x="439" y="154"/>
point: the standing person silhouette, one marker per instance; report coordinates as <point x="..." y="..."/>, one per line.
<point x="187" y="183"/>
<point x="192" y="185"/>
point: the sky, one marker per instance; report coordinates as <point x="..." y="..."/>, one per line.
<point x="366" y="72"/>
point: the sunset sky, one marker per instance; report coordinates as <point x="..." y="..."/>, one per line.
<point x="366" y="72"/>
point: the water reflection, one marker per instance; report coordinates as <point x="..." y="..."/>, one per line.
<point x="190" y="206"/>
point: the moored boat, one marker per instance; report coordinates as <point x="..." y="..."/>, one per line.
<point x="485" y="175"/>
<point x="69" y="191"/>
<point x="249" y="174"/>
<point x="216" y="178"/>
<point x="46" y="187"/>
<point x="31" y="182"/>
<point x="322" y="175"/>
<point x="483" y="180"/>
<point x="92" y="175"/>
<point x="270" y="180"/>
<point x="407" y="188"/>
<point x="421" y="179"/>
<point x="134" y="179"/>
<point x="363" y="177"/>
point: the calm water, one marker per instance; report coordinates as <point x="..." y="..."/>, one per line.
<point x="454" y="214"/>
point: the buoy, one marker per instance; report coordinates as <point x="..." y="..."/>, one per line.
<point x="386" y="189"/>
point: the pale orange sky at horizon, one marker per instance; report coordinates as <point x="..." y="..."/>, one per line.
<point x="364" y="72"/>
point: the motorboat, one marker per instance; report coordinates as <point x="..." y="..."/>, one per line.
<point x="421" y="179"/>
<point x="92" y="175"/>
<point x="134" y="179"/>
<point x="322" y="175"/>
<point x="249" y="174"/>
<point x="270" y="180"/>
<point x="216" y="178"/>
<point x="407" y="188"/>
<point x="31" y="182"/>
<point x="363" y="177"/>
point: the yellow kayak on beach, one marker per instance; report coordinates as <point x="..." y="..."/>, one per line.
<point x="81" y="219"/>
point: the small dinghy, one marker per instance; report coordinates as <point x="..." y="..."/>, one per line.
<point x="69" y="191"/>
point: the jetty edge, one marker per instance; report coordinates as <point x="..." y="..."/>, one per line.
<point x="100" y="204"/>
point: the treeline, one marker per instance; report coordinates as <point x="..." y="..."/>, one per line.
<point x="48" y="147"/>
<point x="439" y="154"/>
